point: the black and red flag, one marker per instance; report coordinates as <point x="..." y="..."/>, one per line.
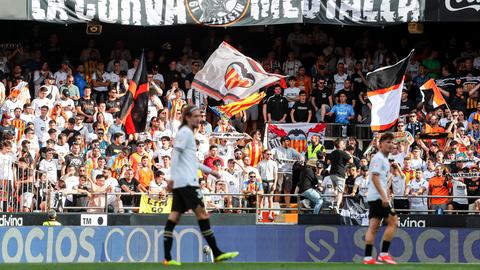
<point x="134" y="106"/>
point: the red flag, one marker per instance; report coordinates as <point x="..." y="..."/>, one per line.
<point x="134" y="109"/>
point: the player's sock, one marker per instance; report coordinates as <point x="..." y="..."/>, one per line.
<point x="209" y="237"/>
<point x="368" y="251"/>
<point x="385" y="247"/>
<point x="168" y="239"/>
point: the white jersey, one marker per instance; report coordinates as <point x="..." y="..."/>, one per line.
<point x="379" y="165"/>
<point x="362" y="183"/>
<point x="234" y="181"/>
<point x="339" y="81"/>
<point x="398" y="185"/>
<point x="459" y="189"/>
<point x="184" y="171"/>
<point x="328" y="189"/>
<point x="51" y="168"/>
<point x="291" y="93"/>
<point x="415" y="186"/>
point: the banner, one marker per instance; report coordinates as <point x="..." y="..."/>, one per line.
<point x="167" y="12"/>
<point x="354" y="211"/>
<point x="299" y="134"/>
<point x="456" y="10"/>
<point x="268" y="243"/>
<point x="363" y="12"/>
<point x="149" y="205"/>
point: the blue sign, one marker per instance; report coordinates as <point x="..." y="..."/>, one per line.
<point x="255" y="243"/>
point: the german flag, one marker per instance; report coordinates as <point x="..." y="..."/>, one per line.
<point x="385" y="91"/>
<point x="431" y="95"/>
<point x="134" y="108"/>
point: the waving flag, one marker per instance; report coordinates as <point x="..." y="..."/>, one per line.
<point x="229" y="110"/>
<point x="385" y="91"/>
<point x="134" y="108"/>
<point x="230" y="75"/>
<point x="431" y="95"/>
<point x="299" y="134"/>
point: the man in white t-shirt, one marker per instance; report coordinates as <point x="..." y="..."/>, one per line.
<point x="268" y="170"/>
<point x="417" y="188"/>
<point x="10" y="104"/>
<point x="292" y="92"/>
<point x="41" y="101"/>
<point x="132" y="70"/>
<point x="380" y="206"/>
<point x="339" y="78"/>
<point x="61" y="75"/>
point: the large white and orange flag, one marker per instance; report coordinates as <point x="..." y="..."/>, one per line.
<point x="385" y="87"/>
<point x="231" y="76"/>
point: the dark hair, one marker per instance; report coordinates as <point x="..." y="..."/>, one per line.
<point x="187" y="111"/>
<point x="386" y="136"/>
<point x="212" y="146"/>
<point x="302" y="92"/>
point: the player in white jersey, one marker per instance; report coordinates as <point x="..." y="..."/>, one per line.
<point x="379" y="203"/>
<point x="186" y="192"/>
<point x="418" y="187"/>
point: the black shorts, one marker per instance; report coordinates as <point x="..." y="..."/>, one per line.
<point x="376" y="210"/>
<point x="187" y="198"/>
<point x="459" y="206"/>
<point x="267" y="187"/>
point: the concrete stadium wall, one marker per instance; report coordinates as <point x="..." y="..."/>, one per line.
<point x="266" y="243"/>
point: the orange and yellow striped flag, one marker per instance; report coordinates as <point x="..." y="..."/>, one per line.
<point x="229" y="110"/>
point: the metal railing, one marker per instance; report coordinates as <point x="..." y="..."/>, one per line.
<point x="259" y="208"/>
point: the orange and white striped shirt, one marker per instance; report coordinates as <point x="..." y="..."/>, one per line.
<point x="254" y="151"/>
<point x="19" y="125"/>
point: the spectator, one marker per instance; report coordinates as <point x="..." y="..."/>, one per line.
<point x="308" y="184"/>
<point x="276" y="107"/>
<point x="438" y="186"/>
<point x="321" y="100"/>
<point x="130" y="185"/>
<point x="251" y="188"/>
<point x="418" y="188"/>
<point x="268" y="170"/>
<point x="343" y="111"/>
<point x="338" y="162"/>
<point x="301" y="110"/>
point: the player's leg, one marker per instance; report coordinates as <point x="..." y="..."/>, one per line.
<point x="373" y="227"/>
<point x="173" y="219"/>
<point x="388" y="234"/>
<point x="204" y="224"/>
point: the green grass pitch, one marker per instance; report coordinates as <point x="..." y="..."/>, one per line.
<point x="237" y="266"/>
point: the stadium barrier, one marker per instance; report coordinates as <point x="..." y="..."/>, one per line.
<point x="267" y="243"/>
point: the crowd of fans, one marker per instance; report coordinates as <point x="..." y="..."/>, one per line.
<point x="63" y="143"/>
